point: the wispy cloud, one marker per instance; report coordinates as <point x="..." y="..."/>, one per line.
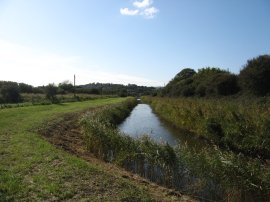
<point x="150" y="12"/>
<point x="142" y="4"/>
<point x="127" y="11"/>
<point x="23" y="64"/>
<point x="143" y="8"/>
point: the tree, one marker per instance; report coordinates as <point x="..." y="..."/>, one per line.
<point x="25" y="88"/>
<point x="66" y="86"/>
<point x="10" y="92"/>
<point x="51" y="91"/>
<point x="227" y="84"/>
<point x="255" y="76"/>
<point x="180" y="85"/>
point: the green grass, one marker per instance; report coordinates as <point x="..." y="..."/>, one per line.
<point x="103" y="139"/>
<point x="242" y="125"/>
<point x="239" y="138"/>
<point x="31" y="169"/>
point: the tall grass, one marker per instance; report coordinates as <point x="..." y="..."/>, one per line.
<point x="240" y="125"/>
<point x="239" y="131"/>
<point x="142" y="156"/>
<point x="210" y="173"/>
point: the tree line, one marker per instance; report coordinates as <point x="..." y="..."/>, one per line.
<point x="10" y="92"/>
<point x="253" y="79"/>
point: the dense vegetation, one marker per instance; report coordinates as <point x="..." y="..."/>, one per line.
<point x="152" y="160"/>
<point x="254" y="79"/>
<point x="116" y="89"/>
<point x="240" y="125"/>
<point x="12" y="92"/>
<point x="232" y="113"/>
<point x="177" y="167"/>
<point x="32" y="169"/>
<point x="238" y="132"/>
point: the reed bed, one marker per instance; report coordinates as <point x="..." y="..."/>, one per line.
<point x="239" y="125"/>
<point x="238" y="133"/>
<point x="211" y="173"/>
<point x="143" y="156"/>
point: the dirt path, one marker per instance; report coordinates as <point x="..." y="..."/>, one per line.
<point x="65" y="133"/>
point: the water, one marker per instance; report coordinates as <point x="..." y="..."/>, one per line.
<point x="143" y="121"/>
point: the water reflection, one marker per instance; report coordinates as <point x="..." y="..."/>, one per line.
<point x="143" y="121"/>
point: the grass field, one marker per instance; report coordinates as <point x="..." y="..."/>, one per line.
<point x="31" y="169"/>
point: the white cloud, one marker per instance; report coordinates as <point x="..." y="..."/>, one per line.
<point x="150" y="12"/>
<point x="23" y="64"/>
<point x="141" y="8"/>
<point x="127" y="11"/>
<point x="142" y="4"/>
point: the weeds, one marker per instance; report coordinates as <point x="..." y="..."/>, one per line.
<point x="239" y="131"/>
<point x="142" y="156"/>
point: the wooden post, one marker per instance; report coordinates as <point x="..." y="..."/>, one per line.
<point x="74" y="86"/>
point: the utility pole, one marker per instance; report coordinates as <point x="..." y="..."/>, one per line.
<point x="74" y="86"/>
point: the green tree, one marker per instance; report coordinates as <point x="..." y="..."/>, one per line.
<point x="66" y="87"/>
<point x="25" y="88"/>
<point x="227" y="84"/>
<point x="181" y="84"/>
<point x="51" y="91"/>
<point x="255" y="76"/>
<point x="10" y="92"/>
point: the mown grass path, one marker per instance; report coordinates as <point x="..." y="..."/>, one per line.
<point x="31" y="169"/>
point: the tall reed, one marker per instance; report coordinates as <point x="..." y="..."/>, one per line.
<point x="239" y="130"/>
<point x="143" y="156"/>
<point x="240" y="125"/>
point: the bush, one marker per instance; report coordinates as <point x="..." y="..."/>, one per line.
<point x="10" y="92"/>
<point x="255" y="76"/>
<point x="227" y="84"/>
<point x="51" y="91"/>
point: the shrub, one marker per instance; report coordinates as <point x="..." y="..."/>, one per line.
<point x="10" y="92"/>
<point x="51" y="91"/>
<point x="255" y="76"/>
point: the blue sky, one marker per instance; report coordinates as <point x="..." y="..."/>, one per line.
<point x="145" y="42"/>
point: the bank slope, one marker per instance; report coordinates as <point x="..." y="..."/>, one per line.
<point x="32" y="169"/>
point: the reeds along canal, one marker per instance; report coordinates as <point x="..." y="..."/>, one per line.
<point x="142" y="122"/>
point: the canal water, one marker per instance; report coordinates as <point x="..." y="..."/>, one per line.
<point x="143" y="121"/>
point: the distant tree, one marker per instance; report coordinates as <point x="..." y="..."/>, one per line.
<point x="255" y="76"/>
<point x="66" y="87"/>
<point x="123" y="93"/>
<point x="213" y="81"/>
<point x="209" y="81"/>
<point x="227" y="84"/>
<point x="25" y="88"/>
<point x="51" y="91"/>
<point x="10" y="92"/>
<point x="185" y="74"/>
<point x="180" y="85"/>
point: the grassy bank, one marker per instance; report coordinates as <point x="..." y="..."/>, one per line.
<point x="31" y="169"/>
<point x="239" y="131"/>
<point x="143" y="156"/>
<point x="30" y="99"/>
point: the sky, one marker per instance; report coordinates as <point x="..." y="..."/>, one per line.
<point x="143" y="42"/>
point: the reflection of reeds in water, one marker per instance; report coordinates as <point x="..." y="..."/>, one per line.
<point x="240" y="129"/>
<point x="156" y="162"/>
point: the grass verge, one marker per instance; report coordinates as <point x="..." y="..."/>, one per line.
<point x="31" y="169"/>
